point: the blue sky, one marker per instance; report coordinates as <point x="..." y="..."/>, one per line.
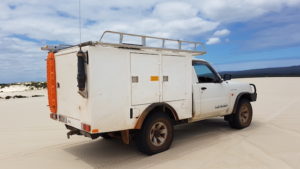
<point x="239" y="34"/>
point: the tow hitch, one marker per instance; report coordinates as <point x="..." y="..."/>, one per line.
<point x="75" y="131"/>
<point x="72" y="132"/>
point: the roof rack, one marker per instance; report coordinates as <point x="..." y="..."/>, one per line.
<point x="143" y="41"/>
<point x="55" y="48"/>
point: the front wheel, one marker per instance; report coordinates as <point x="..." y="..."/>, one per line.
<point x="242" y="117"/>
<point x="156" y="134"/>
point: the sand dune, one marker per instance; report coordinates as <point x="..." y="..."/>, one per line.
<point x="30" y="139"/>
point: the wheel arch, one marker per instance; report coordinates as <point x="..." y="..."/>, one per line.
<point x="155" y="107"/>
<point x="244" y="95"/>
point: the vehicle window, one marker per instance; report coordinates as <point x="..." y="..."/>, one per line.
<point x="204" y="73"/>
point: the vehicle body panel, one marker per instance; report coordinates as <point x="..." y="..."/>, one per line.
<point x="123" y="82"/>
<point x="69" y="103"/>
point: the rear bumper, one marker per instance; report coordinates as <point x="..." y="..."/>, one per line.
<point x="75" y="131"/>
<point x="75" y="126"/>
<point x="67" y="120"/>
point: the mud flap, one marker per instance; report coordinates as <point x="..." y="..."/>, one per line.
<point x="125" y="136"/>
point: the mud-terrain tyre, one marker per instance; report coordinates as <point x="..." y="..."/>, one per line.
<point x="242" y="117"/>
<point x="156" y="134"/>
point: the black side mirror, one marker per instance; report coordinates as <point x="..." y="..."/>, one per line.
<point x="226" y="77"/>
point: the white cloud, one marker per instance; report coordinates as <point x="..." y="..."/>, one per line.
<point x="216" y="37"/>
<point x="213" y="40"/>
<point x="57" y="21"/>
<point x="232" y="10"/>
<point x="22" y="59"/>
<point x="220" y="33"/>
<point x="174" y="10"/>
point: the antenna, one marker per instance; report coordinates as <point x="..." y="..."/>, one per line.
<point x="79" y="22"/>
<point x="81" y="61"/>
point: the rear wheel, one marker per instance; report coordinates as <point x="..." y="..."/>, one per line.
<point x="156" y="134"/>
<point x="242" y="117"/>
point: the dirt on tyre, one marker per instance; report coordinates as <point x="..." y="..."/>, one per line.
<point x="242" y="117"/>
<point x="156" y="134"/>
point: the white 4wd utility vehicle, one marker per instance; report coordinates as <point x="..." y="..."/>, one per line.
<point x="137" y="92"/>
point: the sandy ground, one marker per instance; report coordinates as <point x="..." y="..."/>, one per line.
<point x="30" y="139"/>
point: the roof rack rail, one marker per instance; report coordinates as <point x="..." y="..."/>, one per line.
<point x="197" y="48"/>
<point x="55" y="48"/>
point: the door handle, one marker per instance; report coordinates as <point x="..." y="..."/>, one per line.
<point x="203" y="88"/>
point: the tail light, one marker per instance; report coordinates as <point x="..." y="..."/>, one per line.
<point x="85" y="127"/>
<point x="53" y="116"/>
<point x="62" y="118"/>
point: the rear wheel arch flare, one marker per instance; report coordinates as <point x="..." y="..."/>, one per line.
<point x="154" y="108"/>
